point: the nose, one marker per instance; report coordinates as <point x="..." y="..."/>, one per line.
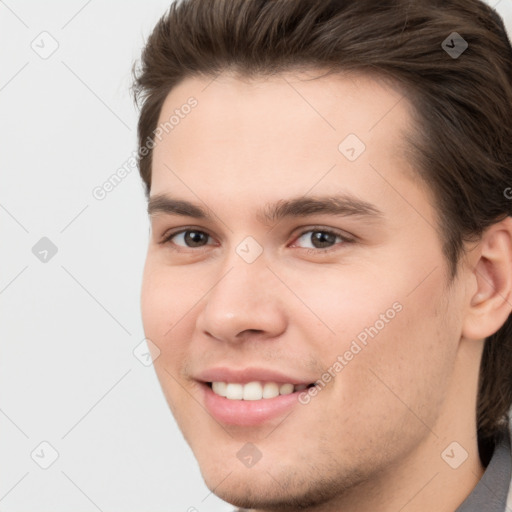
<point x="244" y="303"/>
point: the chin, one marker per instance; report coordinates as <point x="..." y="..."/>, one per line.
<point x="249" y="489"/>
<point x="261" y="491"/>
<point x="272" y="484"/>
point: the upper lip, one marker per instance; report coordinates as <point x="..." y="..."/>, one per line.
<point x="249" y="374"/>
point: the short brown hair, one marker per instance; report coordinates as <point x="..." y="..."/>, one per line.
<point x="462" y="145"/>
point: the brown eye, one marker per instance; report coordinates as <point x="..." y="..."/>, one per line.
<point x="319" y="239"/>
<point x="188" y="238"/>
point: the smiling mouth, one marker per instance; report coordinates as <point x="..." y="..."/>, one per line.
<point x="255" y="390"/>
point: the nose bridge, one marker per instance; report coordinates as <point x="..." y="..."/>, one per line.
<point x="242" y="299"/>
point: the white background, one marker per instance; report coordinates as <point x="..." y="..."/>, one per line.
<point x="68" y="375"/>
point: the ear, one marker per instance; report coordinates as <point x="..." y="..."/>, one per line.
<point x="490" y="302"/>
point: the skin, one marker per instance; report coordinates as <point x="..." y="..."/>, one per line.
<point x="372" y="439"/>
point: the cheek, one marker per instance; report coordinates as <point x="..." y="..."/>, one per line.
<point x="342" y="304"/>
<point x="164" y="306"/>
<point x="402" y="373"/>
<point x="161" y="310"/>
<point x="387" y="341"/>
<point x="165" y="297"/>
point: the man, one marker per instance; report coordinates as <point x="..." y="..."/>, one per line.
<point x="328" y="282"/>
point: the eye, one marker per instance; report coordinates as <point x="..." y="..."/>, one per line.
<point x="316" y="240"/>
<point x="320" y="239"/>
<point x="188" y="238"/>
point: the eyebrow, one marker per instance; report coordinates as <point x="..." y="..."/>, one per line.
<point x="342" y="204"/>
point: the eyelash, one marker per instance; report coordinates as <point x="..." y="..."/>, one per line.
<point x="345" y="240"/>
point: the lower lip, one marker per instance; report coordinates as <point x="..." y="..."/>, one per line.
<point x="247" y="413"/>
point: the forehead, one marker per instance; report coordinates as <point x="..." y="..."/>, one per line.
<point x="267" y="137"/>
<point x="301" y="105"/>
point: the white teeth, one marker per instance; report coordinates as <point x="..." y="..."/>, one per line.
<point x="219" y="388"/>
<point x="234" y="391"/>
<point x="254" y="390"/>
<point x="270" y="390"/>
<point x="286" y="389"/>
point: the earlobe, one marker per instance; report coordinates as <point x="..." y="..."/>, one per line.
<point x="491" y="302"/>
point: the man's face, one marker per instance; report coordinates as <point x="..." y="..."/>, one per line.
<point x="282" y="297"/>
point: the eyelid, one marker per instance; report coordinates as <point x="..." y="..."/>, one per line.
<point x="170" y="233"/>
<point x="346" y="237"/>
